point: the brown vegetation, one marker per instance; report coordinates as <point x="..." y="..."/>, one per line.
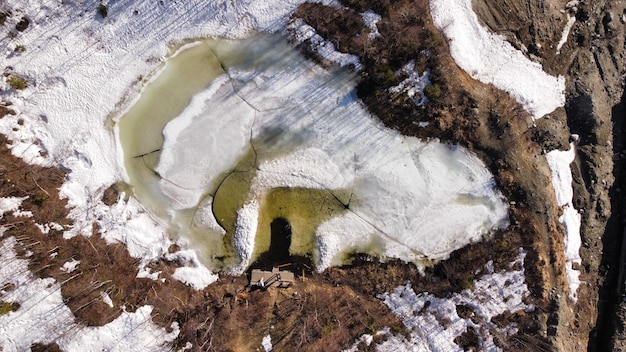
<point x="3" y="17"/>
<point x="23" y="24"/>
<point x="40" y="347"/>
<point x="407" y="34"/>
<point x="443" y="278"/>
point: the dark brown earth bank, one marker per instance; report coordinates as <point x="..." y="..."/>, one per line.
<point x="328" y="311"/>
<point x="593" y="61"/>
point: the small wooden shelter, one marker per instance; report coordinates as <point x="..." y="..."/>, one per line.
<point x="274" y="278"/>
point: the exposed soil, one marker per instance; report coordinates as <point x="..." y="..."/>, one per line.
<point x="593" y="60"/>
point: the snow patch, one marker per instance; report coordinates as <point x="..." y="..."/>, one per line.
<point x="192" y="273"/>
<point x="106" y="299"/>
<point x="568" y="27"/>
<point x="267" y="343"/>
<point x="128" y="332"/>
<point x="559" y="163"/>
<point x="41" y="304"/>
<point x="323" y="47"/>
<point x="68" y="267"/>
<point x="434" y="322"/>
<point x="145" y="273"/>
<point x="127" y="222"/>
<point x="10" y="204"/>
<point x="371" y="18"/>
<point x="44" y="318"/>
<point x="414" y="85"/>
<point x="245" y="231"/>
<point x="489" y="58"/>
<point x="45" y="228"/>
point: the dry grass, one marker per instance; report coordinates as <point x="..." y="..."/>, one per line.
<point x="40" y="347"/>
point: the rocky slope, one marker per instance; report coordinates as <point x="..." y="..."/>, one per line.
<point x="593" y="60"/>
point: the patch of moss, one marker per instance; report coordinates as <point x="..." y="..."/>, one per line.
<point x="40" y="199"/>
<point x="468" y="283"/>
<point x="328" y="328"/>
<point x="103" y="10"/>
<point x="6" y="307"/>
<point x="433" y="91"/>
<point x="17" y="82"/>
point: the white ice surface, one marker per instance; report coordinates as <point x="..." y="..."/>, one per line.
<point x="559" y="162"/>
<point x="225" y="144"/>
<point x="489" y="58"/>
<point x="408" y="199"/>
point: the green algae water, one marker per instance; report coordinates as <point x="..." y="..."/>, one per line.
<point x="304" y="208"/>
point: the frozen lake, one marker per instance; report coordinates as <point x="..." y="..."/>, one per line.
<point x="231" y="135"/>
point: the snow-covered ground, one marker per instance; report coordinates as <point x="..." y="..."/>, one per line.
<point x="43" y="317"/>
<point x="489" y="58"/>
<point x="434" y="323"/>
<point x="559" y="162"/>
